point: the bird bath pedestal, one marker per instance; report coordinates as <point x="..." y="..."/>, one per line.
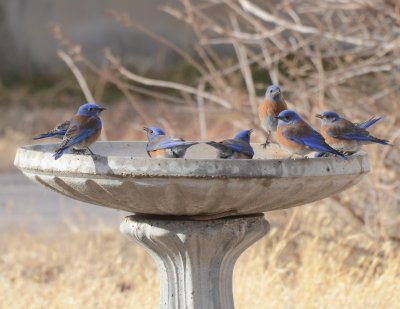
<point x="194" y="216"/>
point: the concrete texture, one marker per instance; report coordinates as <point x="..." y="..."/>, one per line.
<point x="195" y="259"/>
<point x="121" y="176"/>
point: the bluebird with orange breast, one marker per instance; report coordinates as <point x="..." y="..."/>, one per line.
<point x="269" y="109"/>
<point x="298" y="137"/>
<point x="237" y="148"/>
<point x="345" y="136"/>
<point x="84" y="129"/>
<point x="163" y="146"/>
<point x="57" y="132"/>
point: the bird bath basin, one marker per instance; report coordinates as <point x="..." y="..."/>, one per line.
<point x="194" y="216"/>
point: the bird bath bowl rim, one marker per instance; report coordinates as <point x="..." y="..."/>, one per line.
<point x="38" y="158"/>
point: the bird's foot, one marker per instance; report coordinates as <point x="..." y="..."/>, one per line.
<point x="79" y="151"/>
<point x="91" y="152"/>
<point x="323" y="155"/>
<point x="266" y="144"/>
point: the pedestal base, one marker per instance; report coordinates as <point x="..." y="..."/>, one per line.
<point x="195" y="258"/>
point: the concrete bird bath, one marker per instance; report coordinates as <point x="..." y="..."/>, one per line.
<point x="194" y="216"/>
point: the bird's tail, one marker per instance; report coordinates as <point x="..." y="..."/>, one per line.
<point x="376" y="140"/>
<point x="368" y="123"/>
<point x="44" y="135"/>
<point x="59" y="152"/>
<point x="189" y="144"/>
<point x="335" y="152"/>
<point x="216" y="145"/>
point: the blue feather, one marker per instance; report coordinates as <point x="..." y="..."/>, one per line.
<point x="73" y="141"/>
<point x="368" y="123"/>
<point x="316" y="142"/>
<point x="239" y="147"/>
<point x="59" y="134"/>
<point x="168" y="143"/>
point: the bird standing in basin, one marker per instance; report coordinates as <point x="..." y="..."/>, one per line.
<point x="298" y="137"/>
<point x="237" y="148"/>
<point x="345" y="136"/>
<point x="84" y="129"/>
<point x="269" y="109"/>
<point x="163" y="146"/>
<point x="57" y="132"/>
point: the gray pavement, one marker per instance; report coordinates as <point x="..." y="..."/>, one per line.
<point x="24" y="203"/>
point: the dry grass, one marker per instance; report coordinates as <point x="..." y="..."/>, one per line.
<point x="72" y="267"/>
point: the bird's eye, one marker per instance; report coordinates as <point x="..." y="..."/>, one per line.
<point x="91" y="109"/>
<point x="151" y="132"/>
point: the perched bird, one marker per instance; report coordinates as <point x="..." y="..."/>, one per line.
<point x="162" y="146"/>
<point x="237" y="148"/>
<point x="297" y="137"/>
<point x="84" y="129"/>
<point x="57" y="132"/>
<point x="269" y="108"/>
<point x="345" y="136"/>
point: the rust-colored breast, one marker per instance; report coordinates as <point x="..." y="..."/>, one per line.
<point x="286" y="143"/>
<point x="160" y="153"/>
<point x="269" y="108"/>
<point x="243" y="156"/>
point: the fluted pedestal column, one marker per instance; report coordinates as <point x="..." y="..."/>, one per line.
<point x="195" y="258"/>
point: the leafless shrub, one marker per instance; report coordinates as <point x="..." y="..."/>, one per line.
<point x="327" y="55"/>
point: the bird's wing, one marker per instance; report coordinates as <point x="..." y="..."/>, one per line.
<point x="78" y="131"/>
<point x="238" y="146"/>
<point x="344" y="129"/>
<point x="303" y="134"/>
<point x="62" y="126"/>
<point x="165" y="142"/>
<point x="59" y="131"/>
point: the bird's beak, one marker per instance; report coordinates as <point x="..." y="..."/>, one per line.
<point x="146" y="129"/>
<point x="251" y="131"/>
<point x="319" y="116"/>
<point x="277" y="117"/>
<point x="102" y="109"/>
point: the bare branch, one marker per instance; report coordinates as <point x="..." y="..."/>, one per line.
<point x="164" y="84"/>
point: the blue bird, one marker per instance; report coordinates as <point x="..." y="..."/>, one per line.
<point x="57" y="132"/>
<point x="345" y="136"/>
<point x="237" y="148"/>
<point x="84" y="129"/>
<point x="298" y="137"/>
<point x="161" y="146"/>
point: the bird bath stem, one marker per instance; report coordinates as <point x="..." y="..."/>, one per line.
<point x="195" y="258"/>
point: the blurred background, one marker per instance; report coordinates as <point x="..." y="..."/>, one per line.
<point x="198" y="69"/>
